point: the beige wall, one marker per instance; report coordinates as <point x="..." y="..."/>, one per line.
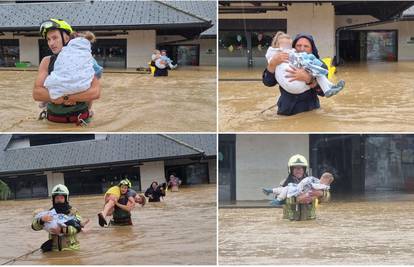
<point x="54" y="179"/>
<point x="140" y="45"/>
<point x="317" y="20"/>
<point x="151" y="171"/>
<point x="29" y="50"/>
<point x="208" y="52"/>
<point x="261" y="161"/>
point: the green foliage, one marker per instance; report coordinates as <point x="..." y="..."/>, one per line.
<point x="4" y="191"/>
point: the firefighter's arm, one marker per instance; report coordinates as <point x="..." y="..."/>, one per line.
<point x="129" y="206"/>
<point x="37" y="224"/>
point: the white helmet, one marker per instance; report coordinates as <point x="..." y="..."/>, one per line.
<point x="60" y="190"/>
<point x="297" y="160"/>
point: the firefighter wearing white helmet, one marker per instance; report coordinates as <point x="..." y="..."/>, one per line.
<point x="297" y="166"/>
<point x="65" y="238"/>
<point x="297" y="161"/>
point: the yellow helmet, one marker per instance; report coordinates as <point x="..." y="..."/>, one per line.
<point x="54" y="24"/>
<point x="125" y="182"/>
<point x="297" y="160"/>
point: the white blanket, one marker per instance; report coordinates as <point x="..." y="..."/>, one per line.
<point x="73" y="70"/>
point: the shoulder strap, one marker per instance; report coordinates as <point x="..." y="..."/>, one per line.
<point x="51" y="63"/>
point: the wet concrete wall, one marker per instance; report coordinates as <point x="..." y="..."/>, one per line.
<point x="261" y="161"/>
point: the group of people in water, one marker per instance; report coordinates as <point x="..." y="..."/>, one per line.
<point x="63" y="222"/>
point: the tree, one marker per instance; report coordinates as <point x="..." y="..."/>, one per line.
<point x="5" y="191"/>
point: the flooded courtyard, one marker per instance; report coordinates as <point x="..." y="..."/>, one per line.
<point x="180" y="230"/>
<point x="375" y="94"/>
<point x="183" y="101"/>
<point x="374" y="229"/>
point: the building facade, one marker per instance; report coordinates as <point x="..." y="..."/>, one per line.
<point x="359" y="163"/>
<point x="360" y="31"/>
<point x="90" y="163"/>
<point x="127" y="31"/>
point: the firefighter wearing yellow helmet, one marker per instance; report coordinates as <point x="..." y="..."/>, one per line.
<point x="55" y="24"/>
<point x="120" y="200"/>
<point x="72" y="108"/>
<point x="65" y="239"/>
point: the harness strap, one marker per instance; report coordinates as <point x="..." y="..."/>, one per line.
<point x="78" y="119"/>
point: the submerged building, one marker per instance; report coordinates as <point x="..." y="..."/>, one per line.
<point x="359" y="162"/>
<point x="127" y="31"/>
<point x="31" y="164"/>
<point x="349" y="30"/>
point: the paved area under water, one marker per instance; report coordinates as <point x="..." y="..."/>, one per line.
<point x="180" y="230"/>
<point x="183" y="101"/>
<point x="377" y="97"/>
<point x="374" y="229"/>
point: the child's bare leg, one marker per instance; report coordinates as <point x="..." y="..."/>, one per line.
<point x="109" y="206"/>
<point x="84" y="222"/>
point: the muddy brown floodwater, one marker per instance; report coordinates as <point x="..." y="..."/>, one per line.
<point x="183" y="101"/>
<point x="377" y="97"/>
<point x="360" y="230"/>
<point x="180" y="230"/>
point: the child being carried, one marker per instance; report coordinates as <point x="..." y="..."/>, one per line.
<point x="282" y="43"/>
<point x="74" y="68"/>
<point x="59" y="220"/>
<point x="305" y="186"/>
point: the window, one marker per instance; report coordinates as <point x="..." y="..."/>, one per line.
<point x="9" y="52"/>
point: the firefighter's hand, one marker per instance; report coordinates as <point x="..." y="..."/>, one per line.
<point x="316" y="193"/>
<point x="58" y="101"/>
<point x="304" y="199"/>
<point x="56" y="231"/>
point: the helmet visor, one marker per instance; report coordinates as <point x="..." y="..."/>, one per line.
<point x="47" y="25"/>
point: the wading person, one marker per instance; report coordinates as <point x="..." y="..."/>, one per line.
<point x="119" y="202"/>
<point x="303" y="205"/>
<point x="291" y="104"/>
<point x="68" y="108"/>
<point x="155" y="192"/>
<point x="60" y="237"/>
<point x="282" y="43"/>
<point x="174" y="183"/>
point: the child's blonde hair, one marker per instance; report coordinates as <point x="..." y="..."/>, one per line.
<point x="327" y="176"/>
<point x="87" y="35"/>
<point x="279" y="36"/>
